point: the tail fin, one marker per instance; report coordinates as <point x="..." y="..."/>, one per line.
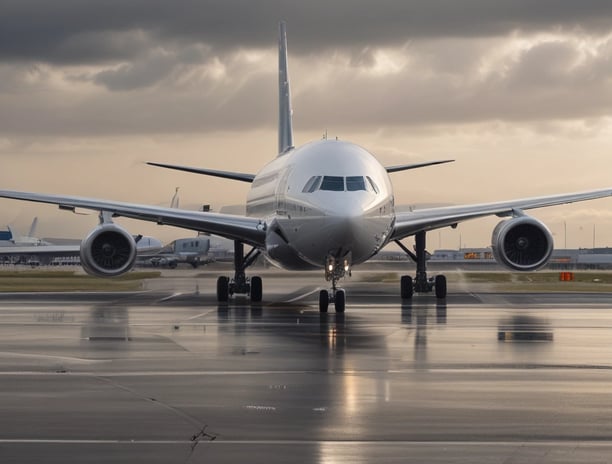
<point x="285" y="125"/>
<point x="32" y="231"/>
<point x="175" y="199"/>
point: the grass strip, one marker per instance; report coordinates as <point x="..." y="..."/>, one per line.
<point x="66" y="281"/>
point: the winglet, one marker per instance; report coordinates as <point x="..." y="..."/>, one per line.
<point x="285" y="125"/>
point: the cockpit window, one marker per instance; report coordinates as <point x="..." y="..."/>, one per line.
<point x="372" y="184"/>
<point x="340" y="184"/>
<point x="312" y="184"/>
<point x="333" y="183"/>
<point x="354" y="183"/>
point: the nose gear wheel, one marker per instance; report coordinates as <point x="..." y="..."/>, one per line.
<point x="334" y="270"/>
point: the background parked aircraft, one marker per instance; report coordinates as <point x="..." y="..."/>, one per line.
<point x="192" y="251"/>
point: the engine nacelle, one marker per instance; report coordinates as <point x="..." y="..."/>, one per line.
<point x="522" y="243"/>
<point x="108" y="251"/>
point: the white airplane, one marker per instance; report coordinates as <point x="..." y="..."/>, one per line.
<point x="46" y="253"/>
<point x="328" y="204"/>
<point x="193" y="251"/>
<point x="27" y="240"/>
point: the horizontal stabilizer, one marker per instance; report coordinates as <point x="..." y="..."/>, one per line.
<point x="405" y="167"/>
<point x="209" y="172"/>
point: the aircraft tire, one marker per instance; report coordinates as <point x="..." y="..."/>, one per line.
<point x="440" y="285"/>
<point x="222" y="288"/>
<point x="340" y="301"/>
<point x="323" y="301"/>
<point x="406" y="287"/>
<point x="256" y="289"/>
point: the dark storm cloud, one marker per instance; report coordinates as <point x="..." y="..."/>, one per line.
<point x="549" y="80"/>
<point x="78" y="67"/>
<point x="134" y="105"/>
<point x="149" y="69"/>
<point x="87" y="31"/>
<point x="182" y="91"/>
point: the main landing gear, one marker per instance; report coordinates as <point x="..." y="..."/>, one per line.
<point x="241" y="284"/>
<point x="421" y="283"/>
<point x="335" y="269"/>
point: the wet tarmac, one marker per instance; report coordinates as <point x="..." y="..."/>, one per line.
<point x="170" y="376"/>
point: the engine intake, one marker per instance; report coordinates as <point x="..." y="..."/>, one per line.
<point x="108" y="251"/>
<point x="522" y="244"/>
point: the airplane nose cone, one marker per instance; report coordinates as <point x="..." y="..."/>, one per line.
<point x="351" y="228"/>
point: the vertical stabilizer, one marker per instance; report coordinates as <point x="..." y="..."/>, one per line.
<point x="285" y="126"/>
<point x="32" y="231"/>
<point x="175" y="199"/>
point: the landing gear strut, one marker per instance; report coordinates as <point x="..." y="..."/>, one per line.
<point x="421" y="283"/>
<point x="241" y="284"/>
<point x="335" y="269"/>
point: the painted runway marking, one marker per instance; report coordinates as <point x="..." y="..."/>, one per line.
<point x="9" y="354"/>
<point x="303" y="296"/>
<point x="219" y="442"/>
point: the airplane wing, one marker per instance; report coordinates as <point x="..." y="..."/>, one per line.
<point x="410" y="222"/>
<point x="245" y="229"/>
<point x="207" y="172"/>
<point x="405" y="167"/>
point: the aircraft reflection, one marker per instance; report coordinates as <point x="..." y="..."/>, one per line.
<point x="524" y="328"/>
<point x="420" y="312"/>
<point x="422" y="309"/>
<point x="107" y="323"/>
<point x="335" y="331"/>
<point x="332" y="330"/>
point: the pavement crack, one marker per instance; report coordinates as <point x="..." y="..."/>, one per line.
<point x="151" y="399"/>
<point x="197" y="438"/>
<point x="202" y="434"/>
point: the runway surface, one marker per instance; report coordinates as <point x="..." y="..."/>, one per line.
<point x="169" y="376"/>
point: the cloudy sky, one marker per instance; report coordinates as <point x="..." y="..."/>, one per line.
<point x="518" y="92"/>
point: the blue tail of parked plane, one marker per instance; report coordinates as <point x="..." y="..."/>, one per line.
<point x="5" y="236"/>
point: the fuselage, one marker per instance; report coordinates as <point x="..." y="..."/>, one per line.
<point x="328" y="198"/>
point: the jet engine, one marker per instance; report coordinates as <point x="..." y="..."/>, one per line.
<point x="108" y="251"/>
<point x="522" y="243"/>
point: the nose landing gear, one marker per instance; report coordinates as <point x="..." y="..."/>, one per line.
<point x="335" y="269"/>
<point x="337" y="296"/>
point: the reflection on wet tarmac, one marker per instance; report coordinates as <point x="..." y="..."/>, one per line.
<point x="280" y="382"/>
<point x="299" y="324"/>
<point x="408" y="307"/>
<point x="421" y="313"/>
<point x="107" y="323"/>
<point x="524" y="328"/>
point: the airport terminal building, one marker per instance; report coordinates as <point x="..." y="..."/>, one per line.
<point x="562" y="259"/>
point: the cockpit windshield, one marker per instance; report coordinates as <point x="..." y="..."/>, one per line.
<point x="313" y="184"/>
<point x="355" y="183"/>
<point x="333" y="183"/>
<point x="340" y="184"/>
